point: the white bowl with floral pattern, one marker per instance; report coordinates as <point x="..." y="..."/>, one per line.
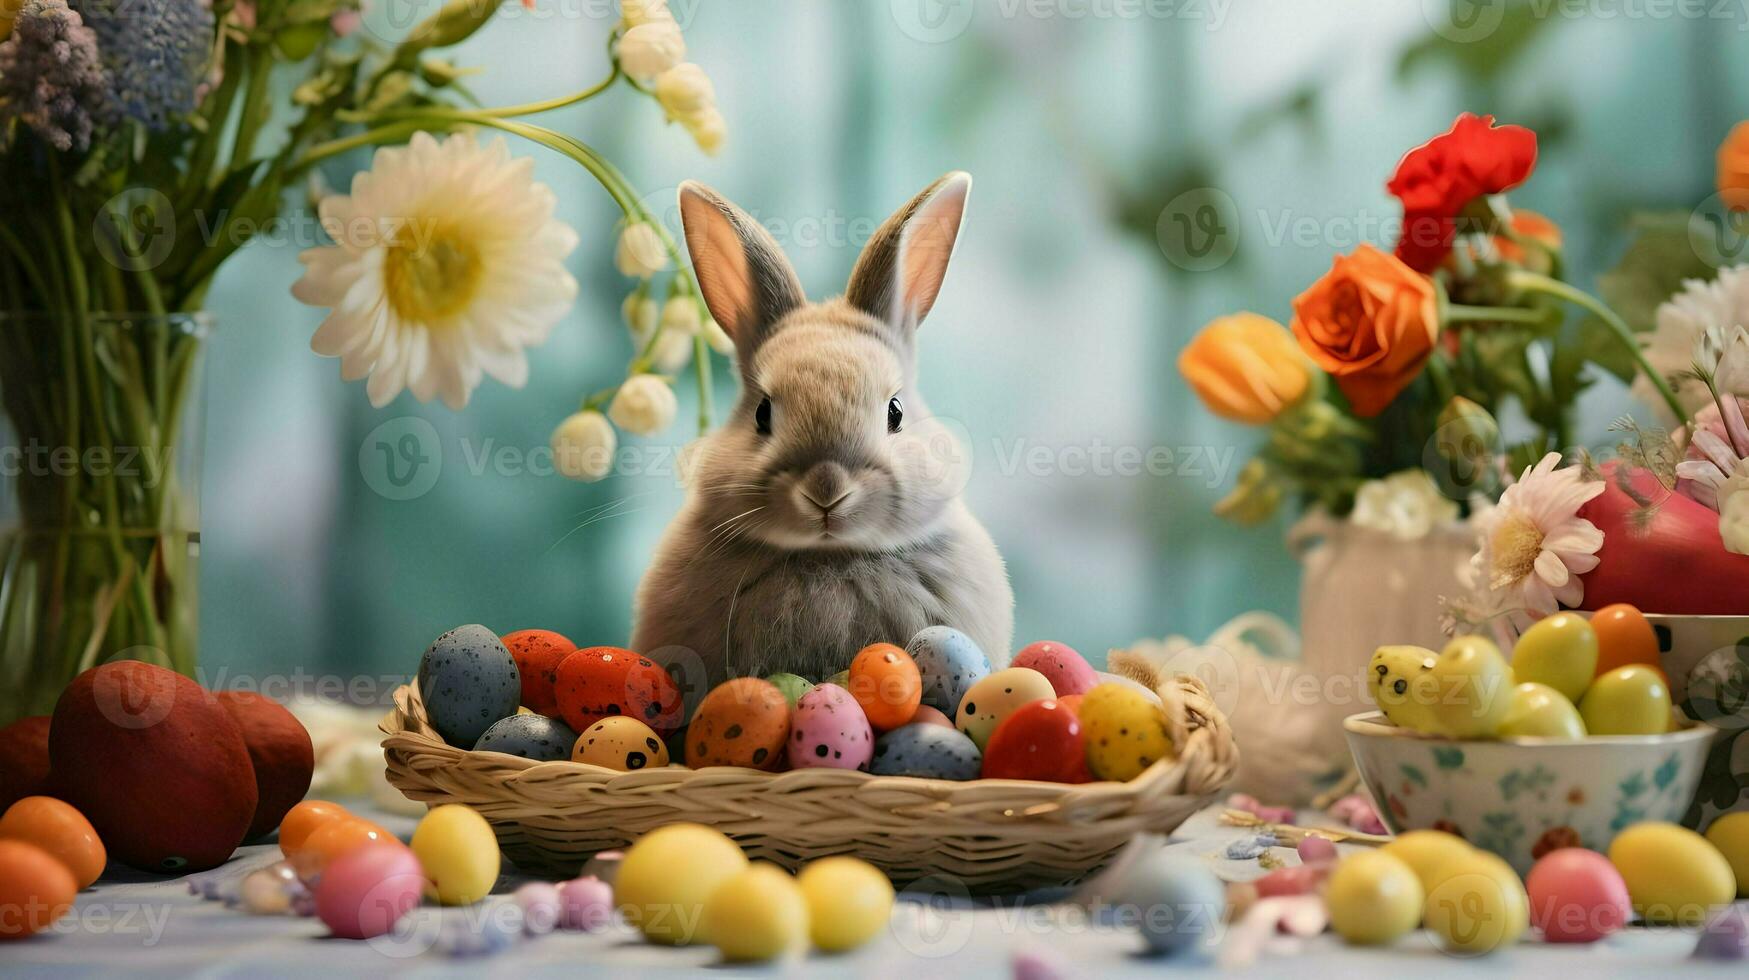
<point x="1524" y="797"/>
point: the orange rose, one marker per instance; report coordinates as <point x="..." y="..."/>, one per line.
<point x="1245" y="367"/>
<point x="1734" y="168"/>
<point x="1370" y="323"/>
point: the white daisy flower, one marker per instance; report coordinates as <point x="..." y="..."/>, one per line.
<point x="1682" y="323"/>
<point x="1407" y="505"/>
<point x="447" y="264"/>
<point x="1534" y="543"/>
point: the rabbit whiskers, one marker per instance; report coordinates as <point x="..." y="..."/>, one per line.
<point x="724" y="533"/>
<point x="595" y="515"/>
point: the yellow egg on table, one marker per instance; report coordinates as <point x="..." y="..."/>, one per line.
<point x="1477" y="904"/>
<point x="849" y="902"/>
<point x="1425" y="851"/>
<point x="459" y="853"/>
<point x="1631" y="700"/>
<point x="1560" y="651"/>
<point x="1373" y="898"/>
<point x="1730" y="834"/>
<point x="1540" y="711"/>
<point x="667" y="876"/>
<point x="1474" y="688"/>
<point x="1673" y="874"/>
<point x="757" y="914"/>
<point x="1124" y="731"/>
<point x="622" y="743"/>
<point x="1397" y="677"/>
<point x="994" y="697"/>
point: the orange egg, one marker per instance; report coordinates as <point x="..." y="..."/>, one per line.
<point x="1072" y="702"/>
<point x="59" y="829"/>
<point x="1623" y="637"/>
<point x="35" y="889"/>
<point x="333" y="839"/>
<point x="885" y="681"/>
<point x="302" y="820"/>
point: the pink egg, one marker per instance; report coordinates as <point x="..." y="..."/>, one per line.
<point x="366" y="890"/>
<point x="1300" y="879"/>
<point x="585" y="903"/>
<point x="1576" y="896"/>
<point x="829" y="730"/>
<point x="1068" y="671"/>
<point x="927" y="715"/>
<point x="1316" y="850"/>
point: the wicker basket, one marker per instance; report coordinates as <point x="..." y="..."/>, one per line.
<point x="993" y="835"/>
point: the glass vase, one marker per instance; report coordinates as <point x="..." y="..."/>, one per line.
<point x="101" y="440"/>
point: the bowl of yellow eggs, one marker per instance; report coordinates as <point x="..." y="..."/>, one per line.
<point x="1560" y="745"/>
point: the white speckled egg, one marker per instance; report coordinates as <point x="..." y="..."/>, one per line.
<point x="994" y="697"/>
<point x="950" y="663"/>
<point x="829" y="730"/>
<point x="620" y="743"/>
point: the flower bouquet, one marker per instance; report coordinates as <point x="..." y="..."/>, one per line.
<point x="142" y="145"/>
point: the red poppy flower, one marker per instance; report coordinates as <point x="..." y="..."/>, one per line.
<point x="1438" y="179"/>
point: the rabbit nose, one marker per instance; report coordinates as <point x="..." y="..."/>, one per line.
<point x="825" y="485"/>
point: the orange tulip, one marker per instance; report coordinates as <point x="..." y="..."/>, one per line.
<point x="1245" y="367"/>
<point x="1370" y="323"/>
<point x="1734" y="168"/>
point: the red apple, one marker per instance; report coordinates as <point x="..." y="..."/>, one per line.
<point x="1675" y="565"/>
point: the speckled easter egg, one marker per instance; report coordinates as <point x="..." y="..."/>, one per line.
<point x="930" y="715"/>
<point x="829" y="730"/>
<point x="468" y="680"/>
<point x="793" y="686"/>
<point x="538" y="654"/>
<point x="1174" y="900"/>
<point x="927" y="752"/>
<point x="885" y="681"/>
<point x="994" y="697"/>
<point x="601" y="682"/>
<point x="949" y="662"/>
<point x="744" y="722"/>
<point x="1066" y="669"/>
<point x="1124" y="731"/>
<point x="620" y="743"/>
<point x="534" y="737"/>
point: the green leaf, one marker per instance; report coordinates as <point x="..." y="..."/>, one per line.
<point x="1517" y="27"/>
<point x="1661" y="255"/>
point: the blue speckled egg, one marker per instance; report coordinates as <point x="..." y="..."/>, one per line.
<point x="534" y="737"/>
<point x="949" y="662"/>
<point x="829" y="730"/>
<point x="468" y="680"/>
<point x="928" y="752"/>
<point x="1174" y="900"/>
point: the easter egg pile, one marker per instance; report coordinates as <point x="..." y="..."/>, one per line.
<point x="1567" y="678"/>
<point x="933" y="709"/>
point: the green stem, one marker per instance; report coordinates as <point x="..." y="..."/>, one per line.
<point x="1533" y="282"/>
<point x="1460" y="313"/>
<point x="255" y="109"/>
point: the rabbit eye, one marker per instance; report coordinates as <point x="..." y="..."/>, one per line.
<point x="762" y="417"/>
<point x="895" y="415"/>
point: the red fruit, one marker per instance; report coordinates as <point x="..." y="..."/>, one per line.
<point x="1676" y="565"/>
<point x="156" y="764"/>
<point x="1039" y="740"/>
<point x="538" y="654"/>
<point x="600" y="682"/>
<point x="280" y="752"/>
<point x="24" y="759"/>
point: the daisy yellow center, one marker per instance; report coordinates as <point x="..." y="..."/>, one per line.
<point x="1516" y="544"/>
<point x="430" y="280"/>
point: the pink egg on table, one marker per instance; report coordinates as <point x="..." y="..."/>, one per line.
<point x="585" y="903"/>
<point x="366" y="890"/>
<point x="828" y="730"/>
<point x="1316" y="850"/>
<point x="929" y="715"/>
<point x="1068" y="671"/>
<point x="1576" y="896"/>
<point x="1300" y="879"/>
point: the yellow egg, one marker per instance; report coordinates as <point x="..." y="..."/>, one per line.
<point x="849" y="902"/>
<point x="1424" y="851"/>
<point x="620" y="743"/>
<point x="1730" y="834"/>
<point x="1373" y="898"/>
<point x="1398" y="679"/>
<point x="1560" y="651"/>
<point x="995" y="696"/>
<point x="1124" y="731"/>
<point x="1477" y="904"/>
<point x="1673" y="874"/>
<point x="459" y="853"/>
<point x="1631" y="700"/>
<point x="667" y="876"/>
<point x="1473" y="688"/>
<point x="757" y="914"/>
<point x="1540" y="711"/>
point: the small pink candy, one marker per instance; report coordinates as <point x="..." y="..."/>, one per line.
<point x="540" y="903"/>
<point x="585" y="903"/>
<point x="1275" y="814"/>
<point x="1039" y="964"/>
<point x="1243" y="801"/>
<point x="1301" y="879"/>
<point x="1316" y="850"/>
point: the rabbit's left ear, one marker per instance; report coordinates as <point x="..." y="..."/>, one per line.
<point x="900" y="271"/>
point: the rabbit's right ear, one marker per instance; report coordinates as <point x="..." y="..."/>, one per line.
<point x="745" y="278"/>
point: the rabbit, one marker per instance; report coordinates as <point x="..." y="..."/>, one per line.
<point x="823" y="516"/>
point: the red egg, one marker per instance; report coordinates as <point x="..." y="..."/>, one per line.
<point x="1039" y="740"/>
<point x="1577" y="896"/>
<point x="1068" y="671"/>
<point x="538" y="654"/>
<point x="600" y="682"/>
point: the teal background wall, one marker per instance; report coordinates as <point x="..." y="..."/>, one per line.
<point x="1058" y="327"/>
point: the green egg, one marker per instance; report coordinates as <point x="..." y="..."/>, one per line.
<point x="793" y="686"/>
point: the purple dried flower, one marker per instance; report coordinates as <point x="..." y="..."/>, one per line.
<point x="51" y="78"/>
<point x="155" y="52"/>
